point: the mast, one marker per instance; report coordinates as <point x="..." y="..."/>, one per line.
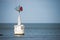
<point x="19" y="19"/>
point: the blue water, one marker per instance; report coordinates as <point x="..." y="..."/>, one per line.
<point x="33" y="31"/>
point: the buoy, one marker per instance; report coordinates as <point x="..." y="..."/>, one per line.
<point x="19" y="28"/>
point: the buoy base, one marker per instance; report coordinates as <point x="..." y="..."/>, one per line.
<point x="18" y="29"/>
<point x="18" y="34"/>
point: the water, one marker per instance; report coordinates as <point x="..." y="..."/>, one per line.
<point x="33" y="31"/>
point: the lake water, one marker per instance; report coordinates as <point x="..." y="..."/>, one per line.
<point x="33" y="31"/>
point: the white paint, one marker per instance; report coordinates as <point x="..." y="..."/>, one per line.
<point x="19" y="20"/>
<point x="18" y="29"/>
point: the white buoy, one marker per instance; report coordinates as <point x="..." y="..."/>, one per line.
<point x="19" y="28"/>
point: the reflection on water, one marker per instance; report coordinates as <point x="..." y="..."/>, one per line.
<point x="18" y="35"/>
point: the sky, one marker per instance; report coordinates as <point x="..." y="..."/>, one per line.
<point x="34" y="11"/>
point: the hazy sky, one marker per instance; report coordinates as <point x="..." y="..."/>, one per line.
<point x="34" y="11"/>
